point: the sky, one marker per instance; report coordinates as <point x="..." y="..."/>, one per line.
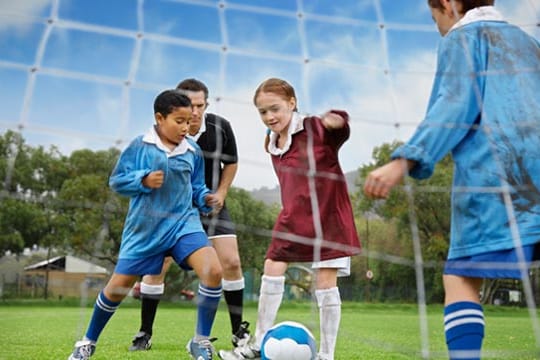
<point x="83" y="74"/>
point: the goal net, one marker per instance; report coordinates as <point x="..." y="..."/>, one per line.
<point x="80" y="75"/>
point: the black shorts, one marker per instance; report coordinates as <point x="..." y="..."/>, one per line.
<point x="218" y="225"/>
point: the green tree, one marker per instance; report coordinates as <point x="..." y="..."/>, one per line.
<point x="431" y="207"/>
<point x="31" y="180"/>
<point x="254" y="221"/>
<point x="22" y="224"/>
<point x="92" y="215"/>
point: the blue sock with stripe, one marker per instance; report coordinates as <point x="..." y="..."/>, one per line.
<point x="103" y="310"/>
<point x="207" y="305"/>
<point x="464" y="330"/>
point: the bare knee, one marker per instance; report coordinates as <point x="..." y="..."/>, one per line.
<point x="212" y="275"/>
<point x="231" y="266"/>
<point x="460" y="288"/>
<point x="118" y="287"/>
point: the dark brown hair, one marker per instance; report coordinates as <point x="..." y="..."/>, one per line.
<point x="193" y="85"/>
<point x="466" y="5"/>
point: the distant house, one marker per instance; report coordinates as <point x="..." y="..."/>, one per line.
<point x="68" y="276"/>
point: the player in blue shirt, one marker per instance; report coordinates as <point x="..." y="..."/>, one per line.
<point x="163" y="174"/>
<point x="215" y="137"/>
<point x="485" y="110"/>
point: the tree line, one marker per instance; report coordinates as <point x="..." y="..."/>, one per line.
<point x="63" y="202"/>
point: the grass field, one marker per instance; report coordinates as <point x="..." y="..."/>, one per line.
<point x="40" y="331"/>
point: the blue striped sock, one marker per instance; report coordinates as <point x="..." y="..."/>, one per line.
<point x="103" y="310"/>
<point x="464" y="330"/>
<point x="207" y="304"/>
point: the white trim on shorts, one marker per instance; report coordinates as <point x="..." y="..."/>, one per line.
<point x="221" y="236"/>
<point x="343" y="265"/>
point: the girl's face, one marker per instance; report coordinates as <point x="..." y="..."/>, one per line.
<point x="275" y="111"/>
<point x="173" y="128"/>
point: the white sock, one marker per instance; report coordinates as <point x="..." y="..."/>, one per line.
<point x="271" y="294"/>
<point x="329" y="303"/>
<point x="152" y="289"/>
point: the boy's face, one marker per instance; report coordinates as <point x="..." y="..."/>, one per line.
<point x="173" y="128"/>
<point x="198" y="101"/>
<point x="446" y="17"/>
<point x="275" y="111"/>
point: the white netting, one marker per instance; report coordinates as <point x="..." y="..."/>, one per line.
<point x="84" y="76"/>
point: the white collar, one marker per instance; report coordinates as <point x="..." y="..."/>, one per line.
<point x="202" y="129"/>
<point x="152" y="137"/>
<point x="296" y="125"/>
<point x="481" y="13"/>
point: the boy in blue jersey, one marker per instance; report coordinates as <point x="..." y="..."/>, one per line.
<point x="215" y="137"/>
<point x="163" y="174"/>
<point x="485" y="109"/>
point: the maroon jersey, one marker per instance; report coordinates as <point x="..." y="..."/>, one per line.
<point x="294" y="235"/>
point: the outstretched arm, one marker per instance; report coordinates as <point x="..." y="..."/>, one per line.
<point x="380" y="181"/>
<point x="333" y="120"/>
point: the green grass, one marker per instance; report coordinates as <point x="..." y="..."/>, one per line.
<point x="368" y="331"/>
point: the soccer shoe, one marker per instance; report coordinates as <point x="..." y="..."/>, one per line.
<point x="248" y="351"/>
<point x="83" y="350"/>
<point x="241" y="337"/>
<point x="201" y="350"/>
<point x="141" y="341"/>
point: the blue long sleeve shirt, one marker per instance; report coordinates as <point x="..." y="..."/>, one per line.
<point x="485" y="109"/>
<point x="157" y="218"/>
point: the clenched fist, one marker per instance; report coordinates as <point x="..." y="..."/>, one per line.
<point x="154" y="180"/>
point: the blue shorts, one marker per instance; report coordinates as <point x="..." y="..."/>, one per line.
<point x="151" y="265"/>
<point x="493" y="265"/>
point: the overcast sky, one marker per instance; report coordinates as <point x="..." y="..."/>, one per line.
<point x="83" y="74"/>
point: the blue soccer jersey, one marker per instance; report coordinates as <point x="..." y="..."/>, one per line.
<point x="157" y="218"/>
<point x="485" y="109"/>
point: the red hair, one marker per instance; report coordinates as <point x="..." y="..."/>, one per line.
<point x="275" y="86"/>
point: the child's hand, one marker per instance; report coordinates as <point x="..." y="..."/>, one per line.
<point x="218" y="200"/>
<point x="214" y="202"/>
<point x="332" y="120"/>
<point x="380" y="181"/>
<point x="154" y="180"/>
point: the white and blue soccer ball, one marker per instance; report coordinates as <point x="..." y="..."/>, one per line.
<point x="288" y="340"/>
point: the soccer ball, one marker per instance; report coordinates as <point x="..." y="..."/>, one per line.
<point x="288" y="340"/>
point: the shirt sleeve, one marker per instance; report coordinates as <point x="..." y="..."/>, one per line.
<point x="334" y="137"/>
<point x="230" y="151"/>
<point x="454" y="106"/>
<point x="197" y="182"/>
<point x="126" y="178"/>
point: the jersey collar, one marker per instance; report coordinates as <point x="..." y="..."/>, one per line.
<point x="296" y="125"/>
<point x="152" y="137"/>
<point x="481" y="13"/>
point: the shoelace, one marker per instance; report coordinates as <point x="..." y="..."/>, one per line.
<point x="85" y="350"/>
<point x="207" y="345"/>
<point x="243" y="329"/>
<point x="247" y="351"/>
<point x="139" y="341"/>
